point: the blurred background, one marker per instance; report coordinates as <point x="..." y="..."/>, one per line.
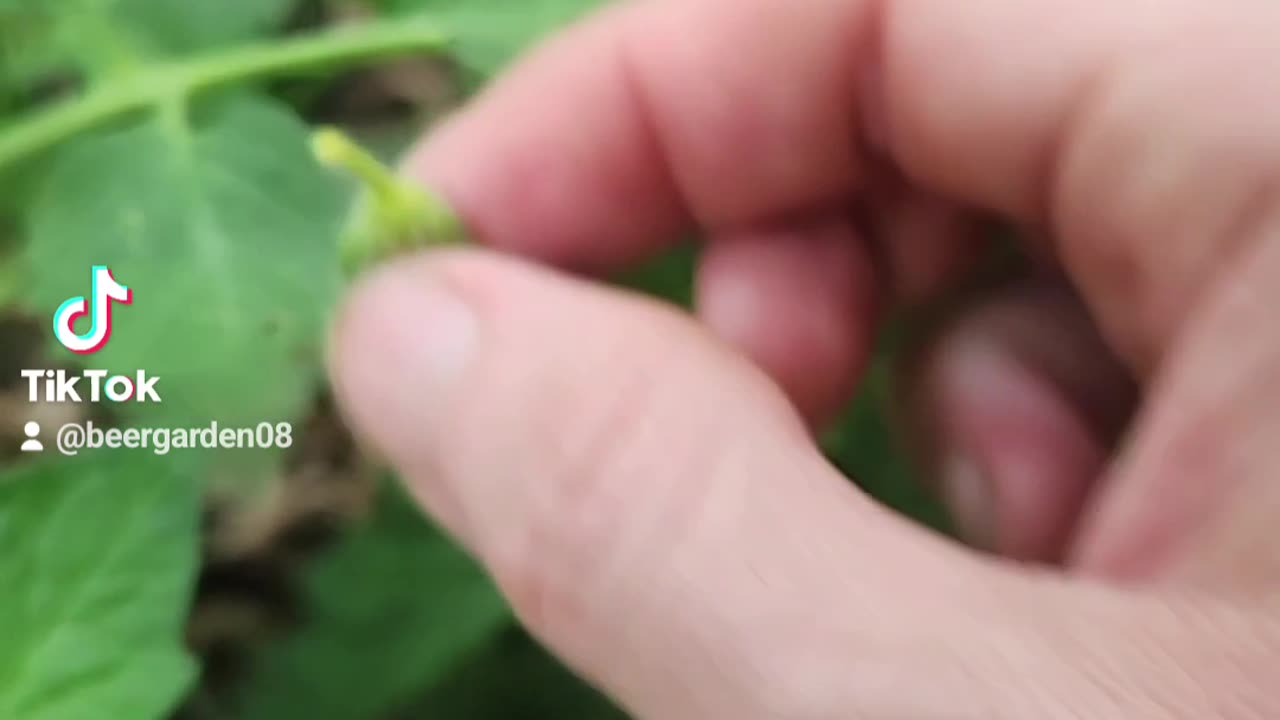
<point x="167" y="139"/>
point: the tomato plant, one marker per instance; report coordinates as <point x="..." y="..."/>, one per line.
<point x="171" y="141"/>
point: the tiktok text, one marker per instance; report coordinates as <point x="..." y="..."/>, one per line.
<point x="60" y="386"/>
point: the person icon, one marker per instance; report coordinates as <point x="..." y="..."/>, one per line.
<point x="32" y="443"/>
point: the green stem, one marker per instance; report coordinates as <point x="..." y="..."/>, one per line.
<point x="336" y="150"/>
<point x="347" y="46"/>
<point x="335" y="48"/>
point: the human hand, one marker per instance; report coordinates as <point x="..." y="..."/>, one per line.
<point x="652" y="503"/>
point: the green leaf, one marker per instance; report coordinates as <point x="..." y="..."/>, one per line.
<point x="392" y="611"/>
<point x="29" y="49"/>
<point x="225" y="231"/>
<point x="489" y="34"/>
<point x="514" y="679"/>
<point x="98" y="563"/>
<point x="177" y="26"/>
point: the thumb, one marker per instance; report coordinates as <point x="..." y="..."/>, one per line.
<point x="656" y="513"/>
<point x="649" y="502"/>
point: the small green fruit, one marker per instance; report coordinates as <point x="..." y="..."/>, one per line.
<point x="392" y="215"/>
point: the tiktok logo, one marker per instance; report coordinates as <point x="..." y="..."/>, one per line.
<point x="105" y="291"/>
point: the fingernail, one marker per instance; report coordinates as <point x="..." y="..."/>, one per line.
<point x="969" y="496"/>
<point x="403" y="340"/>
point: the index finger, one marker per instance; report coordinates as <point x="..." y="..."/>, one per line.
<point x="654" y="117"/>
<point x="1103" y="124"/>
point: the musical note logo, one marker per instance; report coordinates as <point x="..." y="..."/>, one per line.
<point x="105" y="292"/>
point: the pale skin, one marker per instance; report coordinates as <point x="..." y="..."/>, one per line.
<point x="644" y="486"/>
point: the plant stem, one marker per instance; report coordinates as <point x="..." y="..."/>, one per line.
<point x="335" y="48"/>
<point x="336" y="150"/>
<point x="343" y="47"/>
